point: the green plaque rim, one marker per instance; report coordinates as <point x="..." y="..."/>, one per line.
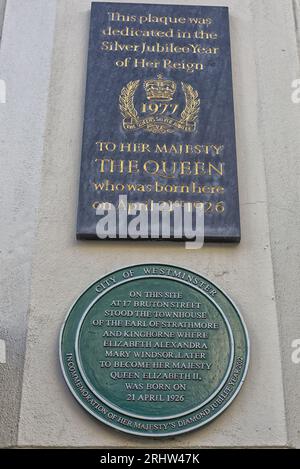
<point x="155" y="420"/>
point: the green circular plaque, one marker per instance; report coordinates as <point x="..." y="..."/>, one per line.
<point x="154" y="350"/>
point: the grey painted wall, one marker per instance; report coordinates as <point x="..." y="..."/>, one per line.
<point x="25" y="65"/>
<point x="43" y="60"/>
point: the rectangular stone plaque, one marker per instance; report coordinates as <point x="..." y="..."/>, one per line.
<point x="159" y="119"/>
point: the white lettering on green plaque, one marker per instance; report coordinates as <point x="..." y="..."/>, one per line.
<point x="154" y="350"/>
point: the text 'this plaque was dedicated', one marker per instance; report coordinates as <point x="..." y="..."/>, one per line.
<point x="159" y="118"/>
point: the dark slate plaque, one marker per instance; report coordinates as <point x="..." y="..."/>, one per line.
<point x="159" y="118"/>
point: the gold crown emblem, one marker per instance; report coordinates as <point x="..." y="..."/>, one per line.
<point x="160" y="89"/>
